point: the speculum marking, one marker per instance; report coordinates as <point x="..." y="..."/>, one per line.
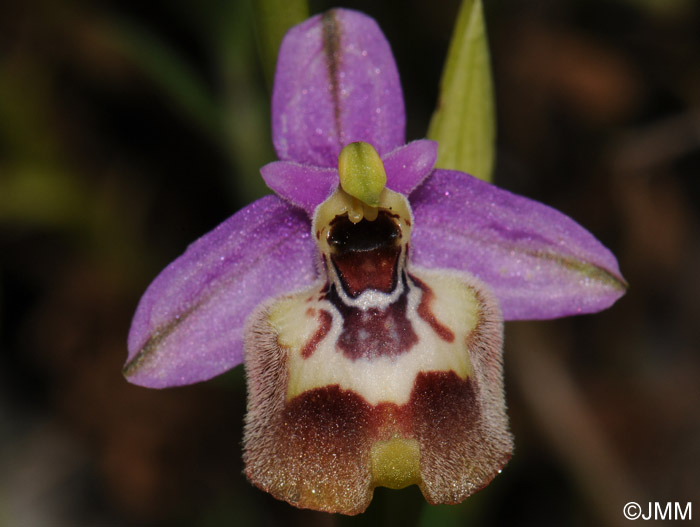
<point x="374" y="332"/>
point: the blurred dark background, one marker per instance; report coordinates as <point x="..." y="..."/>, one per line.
<point x="128" y="129"/>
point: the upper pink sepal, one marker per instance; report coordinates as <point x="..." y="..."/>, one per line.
<point x="336" y="83"/>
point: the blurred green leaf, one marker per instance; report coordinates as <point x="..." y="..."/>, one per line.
<point x="244" y="101"/>
<point x="469" y="512"/>
<point x="662" y="7"/>
<point x="170" y="73"/>
<point x="25" y="113"/>
<point x="273" y="18"/>
<point x="41" y="196"/>
<point x="464" y="121"/>
<point x="441" y="515"/>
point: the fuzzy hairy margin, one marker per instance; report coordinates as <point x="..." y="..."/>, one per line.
<point x="267" y="377"/>
<point x="312" y="451"/>
<point x="463" y="432"/>
<point x="468" y="445"/>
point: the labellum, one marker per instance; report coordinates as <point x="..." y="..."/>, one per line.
<point x="382" y="373"/>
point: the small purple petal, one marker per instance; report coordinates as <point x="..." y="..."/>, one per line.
<point x="407" y="166"/>
<point x="336" y="83"/>
<point x="304" y="186"/>
<point x="188" y="326"/>
<point x="539" y="263"/>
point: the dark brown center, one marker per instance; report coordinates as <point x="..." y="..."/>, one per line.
<point x="365" y="254"/>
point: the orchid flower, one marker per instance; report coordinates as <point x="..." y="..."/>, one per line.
<point x="367" y="297"/>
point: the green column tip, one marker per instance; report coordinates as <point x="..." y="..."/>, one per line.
<point x="362" y="173"/>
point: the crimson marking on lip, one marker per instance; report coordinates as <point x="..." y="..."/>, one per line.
<point x="426" y="313"/>
<point x="326" y="320"/>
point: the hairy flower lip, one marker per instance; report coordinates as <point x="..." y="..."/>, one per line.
<point x="328" y="416"/>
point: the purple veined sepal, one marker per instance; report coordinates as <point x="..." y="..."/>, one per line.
<point x="307" y="186"/>
<point x="336" y="82"/>
<point x="539" y="262"/>
<point x="189" y="324"/>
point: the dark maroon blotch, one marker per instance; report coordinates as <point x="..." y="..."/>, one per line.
<point x="365" y="254"/>
<point x="374" y="332"/>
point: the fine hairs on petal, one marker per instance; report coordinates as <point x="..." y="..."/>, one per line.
<point x="265" y="364"/>
<point x="461" y="456"/>
<point x="314" y="449"/>
<point x="298" y="468"/>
